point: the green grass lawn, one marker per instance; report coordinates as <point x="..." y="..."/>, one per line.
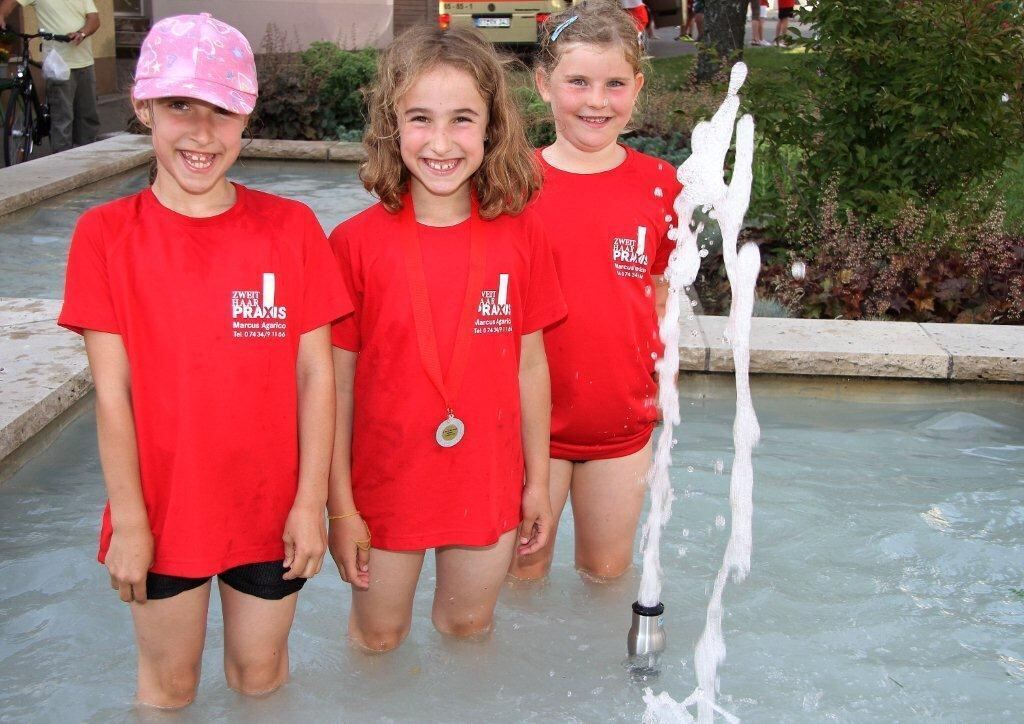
<point x="1013" y="191"/>
<point x="766" y="65"/>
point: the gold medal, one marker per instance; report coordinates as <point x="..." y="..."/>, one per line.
<point x="450" y="431"/>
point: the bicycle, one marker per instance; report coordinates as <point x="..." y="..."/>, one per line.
<point x="26" y="119"/>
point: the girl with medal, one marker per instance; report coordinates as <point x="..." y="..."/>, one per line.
<point x="443" y="395"/>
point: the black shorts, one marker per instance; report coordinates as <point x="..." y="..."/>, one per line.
<point x="785" y="13"/>
<point x="263" y="580"/>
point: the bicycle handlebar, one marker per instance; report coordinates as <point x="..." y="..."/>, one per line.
<point x="42" y="34"/>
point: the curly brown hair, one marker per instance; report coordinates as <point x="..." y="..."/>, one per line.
<point x="509" y="174"/>
<point x="598" y="22"/>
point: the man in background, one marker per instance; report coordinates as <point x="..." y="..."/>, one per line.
<point x="74" y="120"/>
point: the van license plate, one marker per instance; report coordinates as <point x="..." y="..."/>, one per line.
<point x="493" y="22"/>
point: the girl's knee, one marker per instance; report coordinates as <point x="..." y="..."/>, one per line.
<point x="463" y="624"/>
<point x="257" y="676"/>
<point x="604" y="567"/>
<point x="168" y="687"/>
<point x="378" y="638"/>
<point x="532" y="567"/>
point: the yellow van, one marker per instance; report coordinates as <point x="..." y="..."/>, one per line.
<point x="516" y="22"/>
<point x="508" y="22"/>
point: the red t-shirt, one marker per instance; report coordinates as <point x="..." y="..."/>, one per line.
<point x="210" y="311"/>
<point x="783" y="4"/>
<point x="413" y="493"/>
<point x="609" y="234"/>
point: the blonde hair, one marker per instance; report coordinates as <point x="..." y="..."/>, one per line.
<point x="597" y="22"/>
<point x="509" y="174"/>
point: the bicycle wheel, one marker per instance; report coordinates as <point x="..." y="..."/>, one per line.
<point x="18" y="125"/>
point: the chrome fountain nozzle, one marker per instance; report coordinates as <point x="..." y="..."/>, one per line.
<point x="647" y="632"/>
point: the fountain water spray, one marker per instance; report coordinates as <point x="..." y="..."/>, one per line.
<point x="704" y="187"/>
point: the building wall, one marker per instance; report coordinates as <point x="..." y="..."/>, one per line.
<point x="349" y="23"/>
<point x="413" y="12"/>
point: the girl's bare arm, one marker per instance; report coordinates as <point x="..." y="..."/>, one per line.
<point x="535" y="401"/>
<point x="352" y="560"/>
<point x="131" y="546"/>
<point x="305" y="537"/>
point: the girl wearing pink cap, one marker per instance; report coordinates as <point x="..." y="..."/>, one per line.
<point x="206" y="311"/>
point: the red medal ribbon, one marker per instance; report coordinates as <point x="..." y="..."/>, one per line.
<point x="448" y="385"/>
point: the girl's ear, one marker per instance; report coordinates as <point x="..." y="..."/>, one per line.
<point x="639" y="85"/>
<point x="143" y="111"/>
<point x="540" y="79"/>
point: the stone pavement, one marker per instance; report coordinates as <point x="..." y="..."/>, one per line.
<point x="44" y="371"/>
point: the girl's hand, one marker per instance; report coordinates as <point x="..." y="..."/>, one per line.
<point x="536" y="525"/>
<point x="129" y="557"/>
<point x="349" y="540"/>
<point x="305" y="541"/>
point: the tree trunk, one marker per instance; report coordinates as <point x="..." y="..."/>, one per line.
<point x="722" y="42"/>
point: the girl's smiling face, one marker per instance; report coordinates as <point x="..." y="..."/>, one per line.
<point x="592" y="92"/>
<point x="195" y="144"/>
<point x="442" y="123"/>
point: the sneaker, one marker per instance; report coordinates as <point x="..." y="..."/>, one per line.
<point x="763" y="43"/>
<point x="684" y="38"/>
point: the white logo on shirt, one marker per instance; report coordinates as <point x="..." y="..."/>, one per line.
<point x="255" y="315"/>
<point x="629" y="256"/>
<point x="494" y="313"/>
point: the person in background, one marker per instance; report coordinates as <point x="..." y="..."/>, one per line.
<point x="696" y="20"/>
<point x="756" y="24"/>
<point x="785" y="13"/>
<point x="73" y="117"/>
<point x="641" y="16"/>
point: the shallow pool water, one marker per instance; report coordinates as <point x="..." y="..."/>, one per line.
<point x="34" y="241"/>
<point x="887" y="584"/>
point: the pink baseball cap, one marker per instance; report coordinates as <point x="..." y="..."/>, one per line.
<point x="197" y="56"/>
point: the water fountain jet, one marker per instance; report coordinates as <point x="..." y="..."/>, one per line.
<point x="704" y="187"/>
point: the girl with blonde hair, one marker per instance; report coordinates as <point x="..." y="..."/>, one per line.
<point x="608" y="210"/>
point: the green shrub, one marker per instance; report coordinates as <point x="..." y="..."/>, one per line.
<point x="674" y="148"/>
<point x="540" y="127"/>
<point x="353" y="135"/>
<point x="904" y="100"/>
<point x="860" y="267"/>
<point x="287" y="107"/>
<point x="341" y="76"/>
<point x="312" y="95"/>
